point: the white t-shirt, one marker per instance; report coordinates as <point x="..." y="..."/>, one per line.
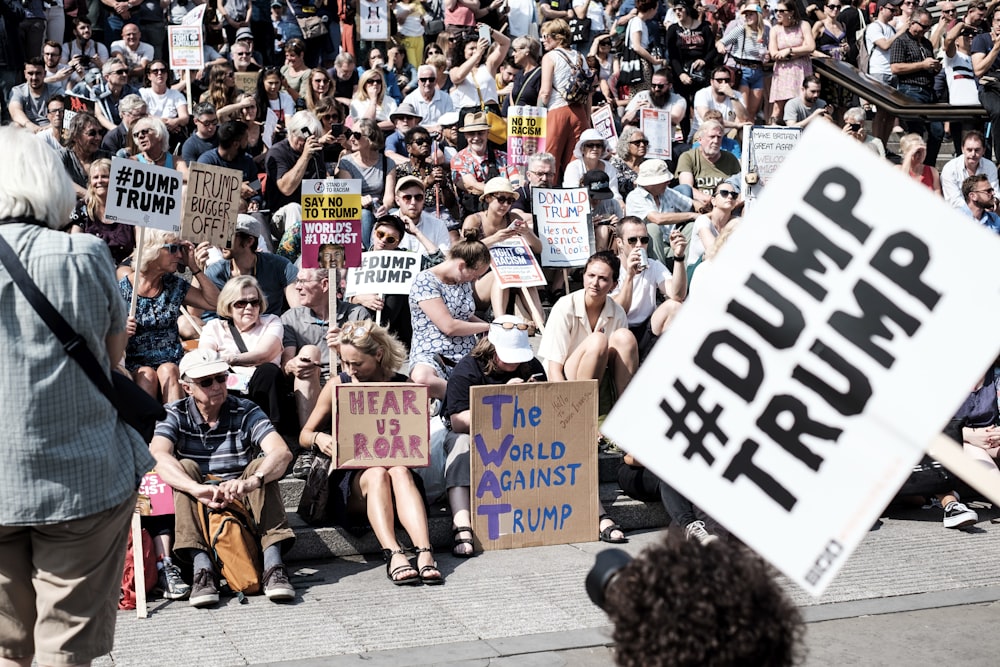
<point x="434" y="229"/>
<point x="167" y="105"/>
<point x="696" y="249"/>
<point x="465" y="95"/>
<point x="704" y="98"/>
<point x="636" y="24"/>
<point x="962" y="87"/>
<point x="878" y="59"/>
<point x="644" y="288"/>
<point x="595" y="12"/>
<point x="573" y="175"/>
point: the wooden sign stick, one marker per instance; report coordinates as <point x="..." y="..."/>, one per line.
<point x="140" y="571"/>
<point x="136" y="267"/>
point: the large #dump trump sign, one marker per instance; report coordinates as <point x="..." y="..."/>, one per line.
<point x="799" y="385"/>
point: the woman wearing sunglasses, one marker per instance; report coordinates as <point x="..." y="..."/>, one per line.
<point x="632" y="148"/>
<point x="710" y="224"/>
<point x="376" y="496"/>
<point x="164" y="102"/>
<point x="589" y="154"/>
<point x="249" y="341"/>
<point x="427" y="164"/>
<point x="83" y="147"/>
<point x="154" y="346"/>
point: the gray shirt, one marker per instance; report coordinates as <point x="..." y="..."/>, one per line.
<point x="796" y="110"/>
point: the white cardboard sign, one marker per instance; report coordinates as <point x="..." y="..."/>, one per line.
<point x="799" y="382"/>
<point x="383" y="272"/>
<point x="144" y="195"/>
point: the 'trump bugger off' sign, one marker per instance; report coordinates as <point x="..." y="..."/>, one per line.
<point x="534" y="463"/>
<point x="793" y="394"/>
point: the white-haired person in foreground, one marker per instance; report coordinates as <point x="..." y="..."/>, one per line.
<point x="71" y="467"/>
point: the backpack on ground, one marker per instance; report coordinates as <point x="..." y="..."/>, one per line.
<point x="581" y="84"/>
<point x="231" y="535"/>
<point x="127" y="598"/>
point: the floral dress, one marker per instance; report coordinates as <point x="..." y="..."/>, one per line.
<point x="156" y="340"/>
<point x="428" y="340"/>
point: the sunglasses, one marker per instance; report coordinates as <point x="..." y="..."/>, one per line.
<point x="243" y="303"/>
<point x="139" y="134"/>
<point x="726" y="80"/>
<point x="386" y="237"/>
<point x="732" y="194"/>
<point x="632" y="240"/>
<point x="594" y="144"/>
<point x="205" y="383"/>
<point x="158" y="70"/>
<point x="420" y="142"/>
<point x="507" y="201"/>
<point x="426" y="79"/>
<point x="172" y="248"/>
<point x="356" y="331"/>
<point x="640" y="142"/>
<point x="120" y="72"/>
<point x="55" y="111"/>
<point x="508" y="326"/>
<point x="412" y="197"/>
<point x="93" y="133"/>
<point x="658" y="86"/>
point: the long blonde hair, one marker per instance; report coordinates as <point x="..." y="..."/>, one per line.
<point x="362" y="94"/>
<point x="92" y="201"/>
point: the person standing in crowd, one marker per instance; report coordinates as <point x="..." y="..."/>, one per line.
<point x="527" y="54"/>
<point x="970" y="163"/>
<point x="690" y="43"/>
<point x="70" y="474"/>
<point x="986" y="65"/>
<point x="790" y="47"/>
<point x="914" y="64"/>
<point x="746" y="41"/>
<point x="879" y="37"/>
<point x="567" y="121"/>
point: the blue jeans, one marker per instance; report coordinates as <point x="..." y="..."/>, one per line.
<point x="934" y="129"/>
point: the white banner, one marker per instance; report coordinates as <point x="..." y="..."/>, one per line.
<point x="562" y="217"/>
<point x="798" y="385"/>
<point x="374" y="20"/>
<point x="144" y="195"/>
<point x="764" y="150"/>
<point x="383" y="272"/>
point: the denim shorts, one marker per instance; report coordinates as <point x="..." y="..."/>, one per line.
<point x="753" y="78"/>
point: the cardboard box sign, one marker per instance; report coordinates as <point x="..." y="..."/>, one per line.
<point x="382" y="425"/>
<point x="211" y="204"/>
<point x="534" y="464"/>
<point x="158" y="494"/>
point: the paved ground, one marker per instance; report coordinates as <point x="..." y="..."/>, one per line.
<point x="913" y="594"/>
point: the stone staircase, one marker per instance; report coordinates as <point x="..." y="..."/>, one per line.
<point x="312" y="543"/>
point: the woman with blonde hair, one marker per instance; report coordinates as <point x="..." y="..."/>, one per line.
<point x="154" y="347"/>
<point x="88" y="215"/>
<point x="317" y="89"/>
<point x="371" y="102"/>
<point x="222" y="92"/>
<point x="914" y="149"/>
<point x="565" y="121"/>
<point x="381" y="495"/>
<point x="249" y="340"/>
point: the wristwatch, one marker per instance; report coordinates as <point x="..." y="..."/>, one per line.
<point x="259" y="475"/>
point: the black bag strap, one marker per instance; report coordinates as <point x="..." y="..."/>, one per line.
<point x="72" y="342"/>
<point x="525" y="84"/>
<point x="237" y="337"/>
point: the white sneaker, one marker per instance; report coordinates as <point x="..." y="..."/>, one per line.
<point x="957" y="515"/>
<point x="696" y="531"/>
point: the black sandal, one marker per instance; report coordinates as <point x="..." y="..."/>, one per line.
<point x="391" y="573"/>
<point x="605" y="534"/>
<point x="456" y="531"/>
<point x="429" y="580"/>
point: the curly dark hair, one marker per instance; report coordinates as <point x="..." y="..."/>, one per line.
<point x="682" y="604"/>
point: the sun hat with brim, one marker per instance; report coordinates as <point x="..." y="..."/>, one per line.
<point x="653" y="172"/>
<point x="448" y="119"/>
<point x="201" y="363"/>
<point x="585" y="138"/>
<point x="499" y="184"/>
<point x="753" y="7"/>
<point x="512" y="345"/>
<point x="475" y="122"/>
<point x="244" y="33"/>
<point x="405" y="110"/>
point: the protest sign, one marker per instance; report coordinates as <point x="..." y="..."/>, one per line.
<point x="186" y="48"/>
<point x="561" y="216"/>
<point x="211" y="204"/>
<point x="764" y="150"/>
<point x="374" y="20"/>
<point x="604" y="123"/>
<point x="514" y="264"/>
<point x="534" y="463"/>
<point x="331" y="223"/>
<point x="525" y="134"/>
<point x="383" y="272"/>
<point x="77" y="104"/>
<point x="382" y="425"/>
<point x="659" y="130"/>
<point x="792" y="394"/>
<point x="246" y="81"/>
<point x="159" y="494"/>
<point x="195" y="17"/>
<point x="144" y="195"/>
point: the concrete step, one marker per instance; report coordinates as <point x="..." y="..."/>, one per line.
<point x="313" y="543"/>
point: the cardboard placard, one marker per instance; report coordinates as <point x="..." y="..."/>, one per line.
<point x="331" y="223"/>
<point x="211" y="204"/>
<point x="792" y="394"/>
<point x="514" y="264"/>
<point x="374" y="20"/>
<point x="382" y="425"/>
<point x="764" y="150"/>
<point x="603" y="121"/>
<point x="525" y="134"/>
<point x="144" y="195"/>
<point x="159" y="494"/>
<point x="383" y="272"/>
<point x="534" y="463"/>
<point x="246" y="81"/>
<point x="186" y="46"/>
<point x="659" y="130"/>
<point x="563" y="227"/>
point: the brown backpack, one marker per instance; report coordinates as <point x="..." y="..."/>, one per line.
<point x="231" y="534"/>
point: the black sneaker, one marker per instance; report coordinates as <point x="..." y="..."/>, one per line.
<point x="957" y="515"/>
<point x="171" y="583"/>
<point x="303" y="464"/>
<point x="276" y="584"/>
<point x="205" y="591"/>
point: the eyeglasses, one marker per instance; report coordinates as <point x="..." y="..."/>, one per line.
<point x="632" y="240"/>
<point x="833" y="6"/>
<point x="139" y="134"/>
<point x="205" y="383"/>
<point x="172" y="248"/>
<point x="593" y="144"/>
<point x="426" y="79"/>
<point x="732" y="194"/>
<point x="158" y="70"/>
<point x="541" y="173"/>
<point x="119" y="72"/>
<point x="923" y="26"/>
<point x="947" y="11"/>
<point x="243" y="303"/>
<point x="386" y="237"/>
<point x="414" y="197"/>
<point x="55" y="111"/>
<point x="639" y="142"/>
<point x="420" y="142"/>
<point x="509" y="326"/>
<point x="506" y="201"/>
<point x="356" y="331"/>
<point x="214" y="121"/>
<point x="240" y="54"/>
<point x="303" y="281"/>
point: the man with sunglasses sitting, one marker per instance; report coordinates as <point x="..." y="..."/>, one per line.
<point x="659" y="96"/>
<point x="425" y="233"/>
<point x="429" y="101"/>
<point x="212" y="433"/>
<point x="641" y="277"/>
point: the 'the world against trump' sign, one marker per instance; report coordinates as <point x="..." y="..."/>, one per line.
<point x="800" y="382"/>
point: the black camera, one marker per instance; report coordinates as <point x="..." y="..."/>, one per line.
<point x="84" y="61"/>
<point x="607" y="566"/>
